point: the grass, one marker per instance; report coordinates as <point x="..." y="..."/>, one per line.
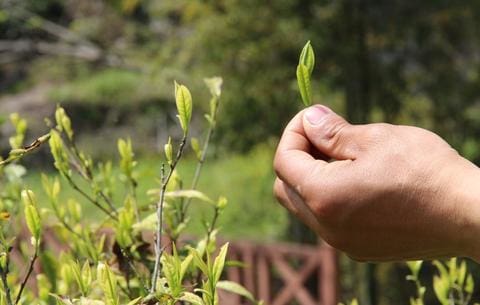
<point x="246" y="181"/>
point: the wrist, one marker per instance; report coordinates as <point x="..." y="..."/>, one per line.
<point x="467" y="204"/>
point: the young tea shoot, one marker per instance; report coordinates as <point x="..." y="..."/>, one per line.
<point x="305" y="67"/>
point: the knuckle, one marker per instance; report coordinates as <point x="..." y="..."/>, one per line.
<point x="277" y="163"/>
<point x="334" y="132"/>
<point x="277" y="190"/>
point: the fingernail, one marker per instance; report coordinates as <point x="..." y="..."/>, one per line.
<point x="315" y="114"/>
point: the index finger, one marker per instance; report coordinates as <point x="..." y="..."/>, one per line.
<point x="293" y="159"/>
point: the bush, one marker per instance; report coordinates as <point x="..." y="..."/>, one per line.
<point x="110" y="261"/>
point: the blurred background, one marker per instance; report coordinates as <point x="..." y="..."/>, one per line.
<point x="112" y="64"/>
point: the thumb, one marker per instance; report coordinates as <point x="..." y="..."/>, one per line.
<point x="330" y="134"/>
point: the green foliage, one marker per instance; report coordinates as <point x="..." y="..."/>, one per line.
<point x="20" y="126"/>
<point x="31" y="215"/>
<point x="415" y="267"/>
<point x="453" y="285"/>
<point x="304" y="72"/>
<point x="114" y="86"/>
<point x="183" y="99"/>
<point x="68" y="278"/>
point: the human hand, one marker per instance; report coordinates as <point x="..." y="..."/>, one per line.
<point x="390" y="193"/>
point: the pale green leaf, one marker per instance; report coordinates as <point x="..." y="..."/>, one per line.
<point x="190" y="194"/>
<point x="134" y="301"/>
<point x="148" y="223"/>
<point x="307" y="57"/>
<point x="196" y="147"/>
<point x="462" y="272"/>
<point x="469" y="284"/>
<point x="183" y="100"/>
<point x="303" y="79"/>
<point x="415" y="267"/>
<point x="214" y="84"/>
<point x="441" y="288"/>
<point x="236" y="288"/>
<point x="219" y="263"/>
<point x="184" y="265"/>
<point x="198" y="261"/>
<point x="168" y="148"/>
<point x="191" y="298"/>
<point x="31" y="217"/>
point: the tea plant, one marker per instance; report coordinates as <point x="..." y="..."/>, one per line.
<point x="305" y="67"/>
<point x="453" y="285"/>
<point x="111" y="262"/>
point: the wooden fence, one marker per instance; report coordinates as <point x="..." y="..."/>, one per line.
<point x="281" y="274"/>
<point x="277" y="273"/>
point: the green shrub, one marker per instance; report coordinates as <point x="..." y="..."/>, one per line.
<point x="114" y="86"/>
<point x="118" y="268"/>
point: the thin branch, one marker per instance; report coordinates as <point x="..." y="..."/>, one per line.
<point x="130" y="262"/>
<point x="85" y="173"/>
<point x="203" y="156"/>
<point x="90" y="199"/>
<point x="4" y="275"/>
<point x="29" y="273"/>
<point x="210" y="229"/>
<point x="160" y="203"/>
<point x="18" y="153"/>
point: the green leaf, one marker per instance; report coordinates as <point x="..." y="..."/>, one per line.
<point x="109" y="284"/>
<point x="214" y="84"/>
<point x="75" y="267"/>
<point x="184" y="265"/>
<point x="462" y="272"/>
<point x="198" y="261"/>
<point x="441" y="268"/>
<point x="452" y="266"/>
<point x="354" y="302"/>
<point x="134" y="301"/>
<point x="307" y="57"/>
<point x="191" y="298"/>
<point x="127" y="162"/>
<point x="303" y="79"/>
<point x="61" y="300"/>
<point x="236" y="288"/>
<point x="63" y="122"/>
<point x="469" y="284"/>
<point x="414" y="267"/>
<point x="31" y="214"/>
<point x="441" y="287"/>
<point x="183" y="99"/>
<point x="196" y="147"/>
<point x="58" y="152"/>
<point x="148" y="223"/>
<point x="168" y="148"/>
<point x="87" y="275"/>
<point x="191" y="194"/>
<point x="219" y="263"/>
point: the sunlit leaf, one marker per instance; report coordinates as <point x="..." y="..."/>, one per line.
<point x="183" y="99"/>
<point x="303" y="79"/>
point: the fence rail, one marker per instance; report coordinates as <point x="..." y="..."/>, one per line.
<point x="276" y="273"/>
<point x="281" y="274"/>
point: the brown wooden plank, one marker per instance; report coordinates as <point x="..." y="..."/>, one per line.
<point x="294" y="282"/>
<point x="328" y="276"/>
<point x="248" y="271"/>
<point x="233" y="274"/>
<point x="263" y="276"/>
